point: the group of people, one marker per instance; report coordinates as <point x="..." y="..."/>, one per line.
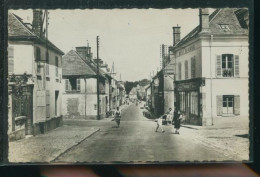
<point x="172" y="117"/>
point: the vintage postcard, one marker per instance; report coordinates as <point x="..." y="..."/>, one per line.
<point x="128" y="85"/>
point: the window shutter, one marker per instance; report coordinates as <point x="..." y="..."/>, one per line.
<point x="47" y="103"/>
<point x="41" y="106"/>
<point x="193" y="67"/>
<point x="186" y="69"/>
<point x="218" y="66"/>
<point x="236" y="66"/>
<point x="219" y="105"/>
<point x="66" y="85"/>
<point x="237" y="105"/>
<point x="78" y="84"/>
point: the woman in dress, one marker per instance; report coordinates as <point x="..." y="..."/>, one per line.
<point x="117" y="116"/>
<point x="177" y="121"/>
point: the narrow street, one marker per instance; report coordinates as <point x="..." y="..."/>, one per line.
<point x="136" y="141"/>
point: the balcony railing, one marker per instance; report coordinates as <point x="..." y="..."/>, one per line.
<point x="227" y="72"/>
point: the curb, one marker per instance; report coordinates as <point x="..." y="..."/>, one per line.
<point x="74" y="145"/>
<point x="189" y="127"/>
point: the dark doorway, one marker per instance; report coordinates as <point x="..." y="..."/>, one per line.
<point x="56" y="102"/>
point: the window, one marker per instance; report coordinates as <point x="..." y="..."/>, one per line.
<point x="228" y="104"/>
<point x="38" y="59"/>
<point x="186" y="70"/>
<point x="194" y="103"/>
<point x="179" y="69"/>
<point x="227" y="65"/>
<point x="224" y="27"/>
<point x="38" y="54"/>
<point x="10" y="59"/>
<point x="193" y="70"/>
<point x="56" y="66"/>
<point x="72" y="84"/>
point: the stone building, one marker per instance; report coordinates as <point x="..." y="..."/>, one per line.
<point x="211" y="67"/>
<point x="80" y="85"/>
<point x="35" y="73"/>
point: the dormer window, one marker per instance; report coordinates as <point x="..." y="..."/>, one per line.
<point x="224" y="27"/>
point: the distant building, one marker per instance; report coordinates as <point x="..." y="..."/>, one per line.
<point x="35" y="73"/>
<point x="211" y="67"/>
<point x="80" y="86"/>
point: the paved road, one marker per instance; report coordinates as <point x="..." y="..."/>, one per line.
<point x="136" y="141"/>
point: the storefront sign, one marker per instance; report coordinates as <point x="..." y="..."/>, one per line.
<point x="188" y="86"/>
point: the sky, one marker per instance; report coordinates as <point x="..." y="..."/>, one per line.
<point x="130" y="38"/>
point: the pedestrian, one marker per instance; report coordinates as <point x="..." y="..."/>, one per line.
<point x="117" y="116"/>
<point x="177" y="121"/>
<point x="170" y="116"/>
<point x="159" y="124"/>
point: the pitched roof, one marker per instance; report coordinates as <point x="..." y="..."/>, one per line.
<point x="219" y="16"/>
<point x="74" y="65"/>
<point x="18" y="30"/>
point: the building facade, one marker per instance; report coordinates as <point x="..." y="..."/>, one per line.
<point x="211" y="64"/>
<point x="80" y="87"/>
<point x="34" y="68"/>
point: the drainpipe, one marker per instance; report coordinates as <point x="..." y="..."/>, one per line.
<point x="210" y="45"/>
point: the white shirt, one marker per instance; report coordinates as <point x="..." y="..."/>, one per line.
<point x="159" y="121"/>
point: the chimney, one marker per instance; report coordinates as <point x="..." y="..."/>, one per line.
<point x="84" y="52"/>
<point x="176" y="34"/>
<point x="37" y="22"/>
<point x="204" y="20"/>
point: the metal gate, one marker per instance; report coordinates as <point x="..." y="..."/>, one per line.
<point x="22" y="104"/>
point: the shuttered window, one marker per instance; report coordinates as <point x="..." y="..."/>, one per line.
<point x="47" y="64"/>
<point x="78" y="84"/>
<point x="193" y="67"/>
<point x="236" y="65"/>
<point x="56" y="66"/>
<point x="186" y="70"/>
<point x="179" y="69"/>
<point x="66" y="85"/>
<point x="10" y="59"/>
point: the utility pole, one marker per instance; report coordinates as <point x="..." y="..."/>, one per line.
<point x="98" y="116"/>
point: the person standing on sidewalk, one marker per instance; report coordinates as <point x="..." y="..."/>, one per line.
<point x="117" y="116"/>
<point x="159" y="124"/>
<point x="177" y="121"/>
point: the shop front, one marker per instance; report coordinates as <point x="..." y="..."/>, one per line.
<point x="189" y="101"/>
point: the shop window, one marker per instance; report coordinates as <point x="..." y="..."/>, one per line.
<point x="194" y="103"/>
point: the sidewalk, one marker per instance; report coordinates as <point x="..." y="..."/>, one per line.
<point x="228" y="135"/>
<point x="47" y="147"/>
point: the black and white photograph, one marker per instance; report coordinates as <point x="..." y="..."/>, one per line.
<point x="136" y="86"/>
